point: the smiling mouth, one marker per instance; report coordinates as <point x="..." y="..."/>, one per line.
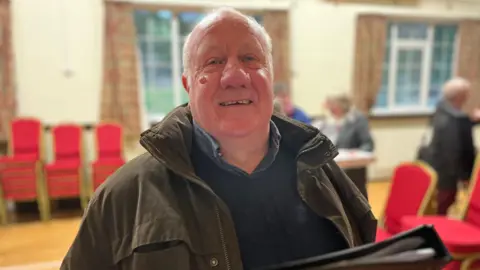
<point x="236" y="102"/>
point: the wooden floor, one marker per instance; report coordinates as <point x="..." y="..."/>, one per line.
<point x="37" y="245"/>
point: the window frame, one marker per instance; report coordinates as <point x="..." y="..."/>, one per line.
<point x="426" y="46"/>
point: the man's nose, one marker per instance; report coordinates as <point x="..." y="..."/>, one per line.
<point x="234" y="75"/>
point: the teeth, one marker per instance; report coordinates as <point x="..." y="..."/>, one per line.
<point x="228" y="103"/>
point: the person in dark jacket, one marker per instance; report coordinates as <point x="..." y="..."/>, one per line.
<point x="225" y="184"/>
<point x="450" y="151"/>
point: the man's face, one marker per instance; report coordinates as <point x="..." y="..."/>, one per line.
<point x="335" y="109"/>
<point x="231" y="81"/>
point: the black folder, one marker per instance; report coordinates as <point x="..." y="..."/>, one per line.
<point x="420" y="248"/>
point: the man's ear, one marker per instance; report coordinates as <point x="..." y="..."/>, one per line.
<point x="185" y="83"/>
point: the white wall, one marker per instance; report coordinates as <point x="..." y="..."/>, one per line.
<point x="55" y="37"/>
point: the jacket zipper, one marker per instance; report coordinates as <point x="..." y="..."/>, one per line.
<point x="222" y="239"/>
<point x="349" y="229"/>
<point x="217" y="212"/>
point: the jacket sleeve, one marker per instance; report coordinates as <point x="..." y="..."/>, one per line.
<point x="468" y="149"/>
<point x="364" y="136"/>
<point x="91" y="247"/>
<point x="449" y="146"/>
<point x="355" y="203"/>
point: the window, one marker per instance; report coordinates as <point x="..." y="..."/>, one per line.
<point x="419" y="59"/>
<point x="160" y="39"/>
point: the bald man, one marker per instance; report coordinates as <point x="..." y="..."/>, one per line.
<point x="224" y="183"/>
<point x="451" y="151"/>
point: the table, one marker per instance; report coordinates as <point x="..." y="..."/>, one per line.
<point x="355" y="163"/>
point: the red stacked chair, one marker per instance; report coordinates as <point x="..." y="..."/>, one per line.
<point x="109" y="147"/>
<point x="21" y="176"/>
<point x="461" y="237"/>
<point x="411" y="191"/>
<point x="65" y="175"/>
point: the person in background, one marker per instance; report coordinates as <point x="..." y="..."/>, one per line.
<point x="450" y="150"/>
<point x="282" y="92"/>
<point x="224" y="184"/>
<point x="278" y="107"/>
<point x="352" y="128"/>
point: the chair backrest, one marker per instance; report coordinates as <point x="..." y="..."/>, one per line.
<point x="471" y="213"/>
<point x="109" y="141"/>
<point x="67" y="139"/>
<point x="411" y="190"/>
<point x="26" y="138"/>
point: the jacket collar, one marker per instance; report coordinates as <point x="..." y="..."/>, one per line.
<point x="170" y="141"/>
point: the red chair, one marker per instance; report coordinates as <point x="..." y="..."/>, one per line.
<point x="415" y="181"/>
<point x="461" y="237"/>
<point x="65" y="175"/>
<point x="21" y="177"/>
<point x="109" y="146"/>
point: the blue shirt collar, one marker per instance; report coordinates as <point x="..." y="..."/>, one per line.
<point x="210" y="146"/>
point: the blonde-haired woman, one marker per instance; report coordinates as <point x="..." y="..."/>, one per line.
<point x="352" y="128"/>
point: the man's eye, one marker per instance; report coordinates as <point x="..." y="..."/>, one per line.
<point x="215" y="62"/>
<point x="248" y="58"/>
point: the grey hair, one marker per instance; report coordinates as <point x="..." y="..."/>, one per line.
<point x="281" y="89"/>
<point x="454" y="87"/>
<point x="342" y="100"/>
<point x="209" y="19"/>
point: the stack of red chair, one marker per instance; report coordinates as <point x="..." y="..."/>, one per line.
<point x="411" y="191"/>
<point x="21" y="171"/>
<point x="65" y="175"/>
<point x="109" y="147"/>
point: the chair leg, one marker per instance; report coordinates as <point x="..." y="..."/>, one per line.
<point x="3" y="210"/>
<point x="43" y="200"/>
<point x="468" y="262"/>
<point x="44" y="208"/>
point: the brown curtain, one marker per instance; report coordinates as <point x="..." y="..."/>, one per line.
<point x="469" y="59"/>
<point x="120" y="96"/>
<point x="8" y="104"/>
<point x="277" y="24"/>
<point x="371" y="35"/>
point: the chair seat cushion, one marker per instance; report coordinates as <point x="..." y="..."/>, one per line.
<point x="15" y="159"/>
<point x="382" y="235"/>
<point x="458" y="236"/>
<point x="64" y="165"/>
<point x="108" y="162"/>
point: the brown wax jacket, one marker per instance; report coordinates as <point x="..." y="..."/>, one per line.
<point x="155" y="213"/>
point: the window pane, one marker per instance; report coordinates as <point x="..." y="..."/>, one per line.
<point x="181" y="44"/>
<point x="187" y="21"/>
<point x="416" y="31"/>
<point x="184" y="96"/>
<point x="162" y="51"/>
<point x="407" y="84"/>
<point x="159" y="90"/>
<point x="442" y="60"/>
<point x="160" y="25"/>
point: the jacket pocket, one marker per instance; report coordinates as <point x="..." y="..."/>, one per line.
<point x="163" y="245"/>
<point x="169" y="255"/>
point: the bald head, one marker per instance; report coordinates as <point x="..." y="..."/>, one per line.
<point x="215" y="17"/>
<point x="456" y="91"/>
